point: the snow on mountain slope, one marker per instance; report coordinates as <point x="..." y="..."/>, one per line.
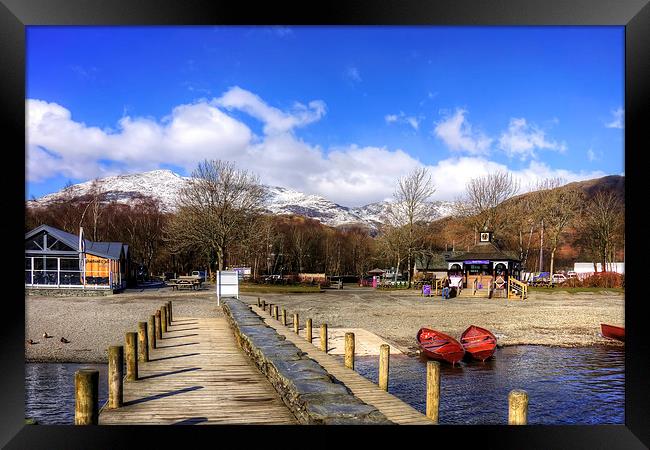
<point x="165" y="185"/>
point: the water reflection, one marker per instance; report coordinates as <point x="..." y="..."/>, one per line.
<point x="49" y="391"/>
<point x="583" y="385"/>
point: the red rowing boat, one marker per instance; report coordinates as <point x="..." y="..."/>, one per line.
<point x="478" y="342"/>
<point x="613" y="332"/>
<point x="437" y="345"/>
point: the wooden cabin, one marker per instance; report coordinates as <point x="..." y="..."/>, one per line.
<point x="57" y="259"/>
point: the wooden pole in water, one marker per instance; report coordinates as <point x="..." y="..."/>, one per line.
<point x="349" y="350"/>
<point x="275" y="312"/>
<point x="284" y="317"/>
<point x="115" y="375"/>
<point x="263" y="305"/>
<point x="131" y="350"/>
<point x="86" y="392"/>
<point x="151" y="333"/>
<point x="433" y="390"/>
<point x="143" y="347"/>
<point x="158" y="326"/>
<point x="271" y="309"/>
<point x="258" y="302"/>
<point x="517" y="407"/>
<point x="323" y="337"/>
<point x="296" y="324"/>
<point x="308" y="330"/>
<point x="384" y="357"/>
<point x="163" y="318"/>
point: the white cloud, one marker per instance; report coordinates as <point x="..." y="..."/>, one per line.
<point x="413" y="121"/>
<point x="522" y="139"/>
<point x="353" y="74"/>
<point x="456" y="132"/>
<point x="618" y="120"/>
<point x="592" y="156"/>
<point x="352" y="175"/>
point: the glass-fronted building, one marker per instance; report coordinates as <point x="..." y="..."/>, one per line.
<point x="57" y="259"/>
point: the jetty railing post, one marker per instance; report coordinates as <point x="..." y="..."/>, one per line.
<point x="308" y="331"/>
<point x="284" y="317"/>
<point x="323" y="337"/>
<point x="263" y="305"/>
<point x="131" y="350"/>
<point x="349" y="350"/>
<point x="163" y="318"/>
<point x="271" y="309"/>
<point x="433" y="390"/>
<point x="151" y="333"/>
<point x="258" y="302"/>
<point x="517" y="407"/>
<point x="384" y="357"/>
<point x="143" y="346"/>
<point x="86" y="389"/>
<point x="296" y="324"/>
<point x="169" y="312"/>
<point x="158" y="326"/>
<point x="275" y="312"/>
<point x="115" y="375"/>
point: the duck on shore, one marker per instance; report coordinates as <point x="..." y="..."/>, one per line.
<point x="65" y="341"/>
<point x="31" y="342"/>
<point x="45" y="335"/>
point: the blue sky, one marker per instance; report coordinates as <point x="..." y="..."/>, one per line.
<point x="341" y="112"/>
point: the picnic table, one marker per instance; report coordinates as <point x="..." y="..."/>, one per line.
<point x="191" y="282"/>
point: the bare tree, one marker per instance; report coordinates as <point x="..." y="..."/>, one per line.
<point x="214" y="208"/>
<point x="603" y="226"/>
<point x="483" y="196"/>
<point x="559" y="207"/>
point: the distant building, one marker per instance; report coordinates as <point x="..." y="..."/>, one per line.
<point x="433" y="265"/>
<point x="585" y="269"/>
<point x="57" y="259"/>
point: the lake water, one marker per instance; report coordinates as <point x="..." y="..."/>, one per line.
<point x="583" y="385"/>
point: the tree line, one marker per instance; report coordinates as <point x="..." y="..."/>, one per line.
<point x="220" y="222"/>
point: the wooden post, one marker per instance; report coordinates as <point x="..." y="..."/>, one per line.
<point x="169" y="311"/>
<point x="308" y="330"/>
<point x="275" y="312"/>
<point x="258" y="302"/>
<point x="296" y="324"/>
<point x="163" y="318"/>
<point x="271" y="309"/>
<point x="115" y="375"/>
<point x="323" y="337"/>
<point x="143" y="347"/>
<point x="384" y="357"/>
<point x="284" y="317"/>
<point x="158" y="326"/>
<point x="517" y="407"/>
<point x="508" y="289"/>
<point x="131" y="350"/>
<point x="151" y="333"/>
<point x="349" y="350"/>
<point x="263" y="305"/>
<point x="86" y="392"/>
<point x="433" y="390"/>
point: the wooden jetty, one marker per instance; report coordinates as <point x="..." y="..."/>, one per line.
<point x="197" y="374"/>
<point x="392" y="407"/>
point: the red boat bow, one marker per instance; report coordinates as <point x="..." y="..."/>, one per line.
<point x="437" y="345"/>
<point x="478" y="342"/>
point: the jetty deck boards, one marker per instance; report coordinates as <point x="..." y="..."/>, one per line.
<point x="392" y="407"/>
<point x="198" y="375"/>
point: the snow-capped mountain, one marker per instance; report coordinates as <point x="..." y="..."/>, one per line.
<point x="165" y="186"/>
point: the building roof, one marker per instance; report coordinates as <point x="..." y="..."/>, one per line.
<point x="111" y="250"/>
<point x="485" y="250"/>
<point x="435" y="261"/>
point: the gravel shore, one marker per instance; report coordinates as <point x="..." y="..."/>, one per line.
<point x="92" y="324"/>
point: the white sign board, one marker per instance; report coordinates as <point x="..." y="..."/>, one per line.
<point x="227" y="284"/>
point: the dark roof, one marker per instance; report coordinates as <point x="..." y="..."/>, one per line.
<point x="111" y="250"/>
<point x="435" y="261"/>
<point x="485" y="250"/>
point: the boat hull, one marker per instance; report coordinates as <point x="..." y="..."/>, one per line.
<point x="613" y="332"/>
<point x="478" y="342"/>
<point x="439" y="346"/>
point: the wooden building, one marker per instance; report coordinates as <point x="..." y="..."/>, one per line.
<point x="57" y="259"/>
<point x="484" y="266"/>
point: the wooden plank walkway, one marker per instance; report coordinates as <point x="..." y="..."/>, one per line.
<point x="198" y="375"/>
<point x="392" y="407"/>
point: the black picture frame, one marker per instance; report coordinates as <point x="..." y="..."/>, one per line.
<point x="633" y="14"/>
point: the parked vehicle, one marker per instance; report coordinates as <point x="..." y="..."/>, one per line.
<point x="571" y="274"/>
<point x="559" y="278"/>
<point x="200" y="274"/>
